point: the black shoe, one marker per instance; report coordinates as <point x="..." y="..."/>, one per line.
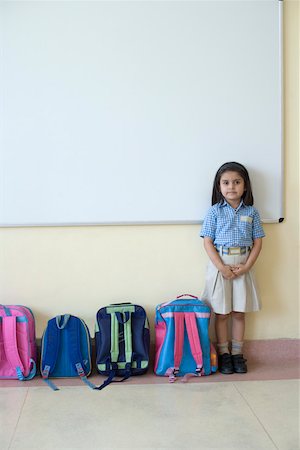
<point x="239" y="364"/>
<point x="225" y="364"/>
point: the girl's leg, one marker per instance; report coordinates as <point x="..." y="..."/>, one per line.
<point x="221" y="326"/>
<point x="238" y="326"/>
<point x="238" y="331"/>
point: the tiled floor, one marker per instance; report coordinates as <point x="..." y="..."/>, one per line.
<point x="256" y="411"/>
<point x="222" y="415"/>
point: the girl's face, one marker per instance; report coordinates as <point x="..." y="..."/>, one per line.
<point x="232" y="187"/>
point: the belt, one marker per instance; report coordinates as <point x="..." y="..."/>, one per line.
<point x="232" y="250"/>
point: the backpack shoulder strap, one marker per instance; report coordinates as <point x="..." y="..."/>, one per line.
<point x="9" y="330"/>
<point x="51" y="344"/>
<point x="125" y="319"/>
<point x="178" y="345"/>
<point x="179" y="338"/>
<point x="74" y="340"/>
<point x="189" y="319"/>
<point x="119" y="317"/>
<point x="194" y="340"/>
<point x="74" y="324"/>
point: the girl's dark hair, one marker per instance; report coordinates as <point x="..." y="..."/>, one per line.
<point x="247" y="197"/>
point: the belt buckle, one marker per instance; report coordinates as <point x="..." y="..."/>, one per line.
<point x="234" y="250"/>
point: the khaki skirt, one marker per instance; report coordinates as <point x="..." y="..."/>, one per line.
<point x="225" y="296"/>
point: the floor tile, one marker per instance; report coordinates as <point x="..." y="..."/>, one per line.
<point x="11" y="401"/>
<point x="179" y="416"/>
<point x="276" y="405"/>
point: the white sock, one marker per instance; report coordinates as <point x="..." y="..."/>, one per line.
<point x="223" y="348"/>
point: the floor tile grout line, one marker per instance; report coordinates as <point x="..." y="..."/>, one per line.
<point x="256" y="416"/>
<point x="18" y="420"/>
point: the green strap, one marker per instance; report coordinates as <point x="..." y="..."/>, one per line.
<point x="128" y="340"/>
<point x="114" y="339"/>
<point x="125" y="318"/>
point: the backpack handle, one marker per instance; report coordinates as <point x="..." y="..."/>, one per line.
<point x="120" y="304"/>
<point x="6" y="310"/>
<point x="187" y="295"/>
<point x="61" y="321"/>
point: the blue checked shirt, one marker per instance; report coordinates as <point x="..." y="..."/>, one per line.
<point x="232" y="227"/>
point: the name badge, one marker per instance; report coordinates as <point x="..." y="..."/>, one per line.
<point x="246" y="219"/>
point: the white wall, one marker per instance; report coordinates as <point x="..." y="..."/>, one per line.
<point x="77" y="270"/>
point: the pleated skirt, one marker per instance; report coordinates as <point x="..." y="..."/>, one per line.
<point x="224" y="296"/>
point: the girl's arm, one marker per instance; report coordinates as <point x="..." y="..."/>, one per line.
<point x="240" y="269"/>
<point x="216" y="260"/>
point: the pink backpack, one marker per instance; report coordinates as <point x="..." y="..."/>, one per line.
<point x="18" y="350"/>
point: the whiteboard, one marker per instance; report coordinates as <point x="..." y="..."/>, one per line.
<point x="121" y="112"/>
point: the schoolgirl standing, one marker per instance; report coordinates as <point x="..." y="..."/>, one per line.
<point x="232" y="233"/>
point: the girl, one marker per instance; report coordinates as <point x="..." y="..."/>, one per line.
<point x="232" y="233"/>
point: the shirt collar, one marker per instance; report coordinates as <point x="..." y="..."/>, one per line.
<point x="227" y="204"/>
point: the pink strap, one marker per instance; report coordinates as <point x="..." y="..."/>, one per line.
<point x="194" y="341"/>
<point x="193" y="336"/>
<point x="179" y="337"/>
<point x="192" y="331"/>
<point x="9" y="329"/>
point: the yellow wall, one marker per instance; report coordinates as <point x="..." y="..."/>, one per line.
<point x="78" y="269"/>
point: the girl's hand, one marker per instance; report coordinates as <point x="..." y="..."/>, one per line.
<point x="239" y="269"/>
<point x="227" y="273"/>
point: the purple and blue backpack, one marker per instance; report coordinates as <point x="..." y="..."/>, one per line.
<point x="122" y="341"/>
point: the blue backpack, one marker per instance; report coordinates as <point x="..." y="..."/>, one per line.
<point x="66" y="349"/>
<point x="182" y="346"/>
<point x="122" y="341"/>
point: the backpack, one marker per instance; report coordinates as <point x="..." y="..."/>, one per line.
<point x="66" y="350"/>
<point x="182" y="346"/>
<point x="122" y="341"/>
<point x="18" y="351"/>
